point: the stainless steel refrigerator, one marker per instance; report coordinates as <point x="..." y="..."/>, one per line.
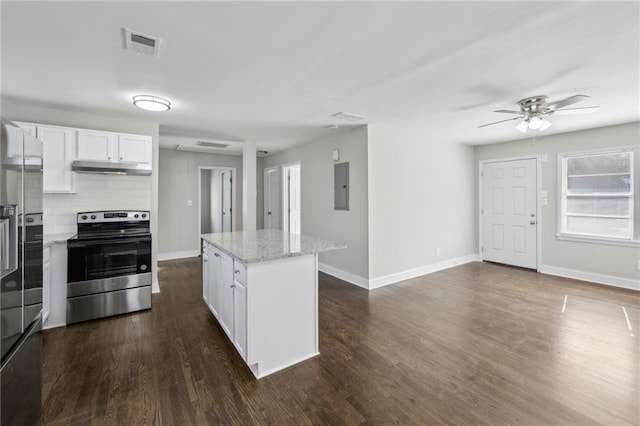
<point x="20" y="276"/>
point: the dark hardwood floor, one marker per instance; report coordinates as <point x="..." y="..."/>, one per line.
<point x="476" y="344"/>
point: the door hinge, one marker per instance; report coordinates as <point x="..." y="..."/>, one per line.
<point x="482" y="173"/>
<point x="481" y="249"/>
<point x="481" y="211"/>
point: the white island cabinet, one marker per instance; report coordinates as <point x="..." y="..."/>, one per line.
<point x="262" y="287"/>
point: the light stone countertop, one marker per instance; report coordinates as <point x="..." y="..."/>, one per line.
<point x="49" y="239"/>
<point x="262" y="245"/>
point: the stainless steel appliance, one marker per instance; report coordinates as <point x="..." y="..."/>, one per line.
<point x="20" y="276"/>
<point x="109" y="265"/>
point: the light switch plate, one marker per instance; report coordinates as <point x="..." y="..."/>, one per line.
<point x="543" y="202"/>
<point x="543" y="194"/>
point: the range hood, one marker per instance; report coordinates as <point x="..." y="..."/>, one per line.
<point x="111" y="168"/>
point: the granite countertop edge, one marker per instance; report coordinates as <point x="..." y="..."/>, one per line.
<point x="267" y="255"/>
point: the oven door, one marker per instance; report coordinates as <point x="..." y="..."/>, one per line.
<point x="99" y="259"/>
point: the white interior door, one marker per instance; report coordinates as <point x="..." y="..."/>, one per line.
<point x="509" y="212"/>
<point x="226" y="201"/>
<point x="271" y="202"/>
<point x="292" y="201"/>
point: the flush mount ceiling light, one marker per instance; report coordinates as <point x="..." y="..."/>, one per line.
<point x="151" y="103"/>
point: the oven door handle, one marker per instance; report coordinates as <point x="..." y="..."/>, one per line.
<point x="103" y="242"/>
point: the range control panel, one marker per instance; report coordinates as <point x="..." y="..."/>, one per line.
<point x="113" y="216"/>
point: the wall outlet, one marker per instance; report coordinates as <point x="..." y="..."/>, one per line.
<point x="189" y="203"/>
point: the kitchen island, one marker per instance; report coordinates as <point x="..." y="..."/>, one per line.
<point x="262" y="287"/>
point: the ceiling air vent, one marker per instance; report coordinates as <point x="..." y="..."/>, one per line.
<point x="212" y="144"/>
<point x="348" y="116"/>
<point x="142" y="43"/>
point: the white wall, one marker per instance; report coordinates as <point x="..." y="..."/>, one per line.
<point x="318" y="217"/>
<point x="95" y="192"/>
<point x="421" y="198"/>
<point x="178" y="184"/>
<point x="588" y="260"/>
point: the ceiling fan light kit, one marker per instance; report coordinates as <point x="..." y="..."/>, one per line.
<point x="534" y="109"/>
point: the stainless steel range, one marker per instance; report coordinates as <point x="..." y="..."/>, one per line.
<point x="109" y="265"/>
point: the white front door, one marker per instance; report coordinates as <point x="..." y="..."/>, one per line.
<point x="509" y="212"/>
<point x="292" y="201"/>
<point x="226" y="201"/>
<point x="271" y="202"/>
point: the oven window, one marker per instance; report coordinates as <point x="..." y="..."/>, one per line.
<point x="110" y="262"/>
<point x="105" y="260"/>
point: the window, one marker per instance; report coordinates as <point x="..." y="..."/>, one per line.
<point x="597" y="195"/>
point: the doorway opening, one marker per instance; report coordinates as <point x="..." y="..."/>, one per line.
<point x="271" y="199"/>
<point x="510" y="212"/>
<point x="216" y="199"/>
<point x="291" y="211"/>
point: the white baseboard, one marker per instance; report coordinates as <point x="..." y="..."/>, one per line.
<point x="155" y="287"/>
<point x="422" y="270"/>
<point x="344" y="276"/>
<point x="611" y="280"/>
<point x="370" y="284"/>
<point x="178" y="255"/>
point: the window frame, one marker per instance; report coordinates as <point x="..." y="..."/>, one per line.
<point x="562" y="183"/>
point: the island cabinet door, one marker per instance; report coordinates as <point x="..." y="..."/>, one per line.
<point x="205" y="273"/>
<point x="240" y="319"/>
<point x="225" y="312"/>
<point x="214" y="281"/>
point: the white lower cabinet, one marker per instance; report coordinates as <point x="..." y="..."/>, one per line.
<point x="225" y="297"/>
<point x="55" y="291"/>
<point x="240" y="318"/>
<point x="225" y="285"/>
<point x="268" y="309"/>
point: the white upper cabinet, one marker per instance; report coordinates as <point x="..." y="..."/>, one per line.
<point x="134" y="149"/>
<point x="95" y="145"/>
<point x="108" y="146"/>
<point x="58" y="152"/>
<point x="32" y="147"/>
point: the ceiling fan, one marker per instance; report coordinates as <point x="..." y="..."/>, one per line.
<point x="535" y="109"/>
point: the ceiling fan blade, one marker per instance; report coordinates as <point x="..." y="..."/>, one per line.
<point x="508" y="111"/>
<point x="571" y="111"/>
<point x="501" y="121"/>
<point x="555" y="105"/>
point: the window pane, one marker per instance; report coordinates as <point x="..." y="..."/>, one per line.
<point x="597" y="226"/>
<point x="599" y="164"/>
<point x="616" y="206"/>
<point x="599" y="184"/>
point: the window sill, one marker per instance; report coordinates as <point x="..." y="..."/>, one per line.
<point x="597" y="240"/>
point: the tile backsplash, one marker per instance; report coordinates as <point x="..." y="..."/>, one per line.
<point x="95" y="192"/>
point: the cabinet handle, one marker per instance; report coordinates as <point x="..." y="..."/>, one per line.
<point x="233" y="286"/>
<point x="237" y="271"/>
<point x="216" y="254"/>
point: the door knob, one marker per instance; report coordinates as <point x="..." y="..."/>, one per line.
<point x="533" y="222"/>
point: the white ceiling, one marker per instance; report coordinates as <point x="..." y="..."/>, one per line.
<point x="276" y="72"/>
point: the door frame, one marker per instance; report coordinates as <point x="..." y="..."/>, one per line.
<point x="538" y="158"/>
<point x="234" y="193"/>
<point x="285" y="195"/>
<point x="264" y="193"/>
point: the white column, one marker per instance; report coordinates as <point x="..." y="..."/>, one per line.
<point x="249" y="192"/>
